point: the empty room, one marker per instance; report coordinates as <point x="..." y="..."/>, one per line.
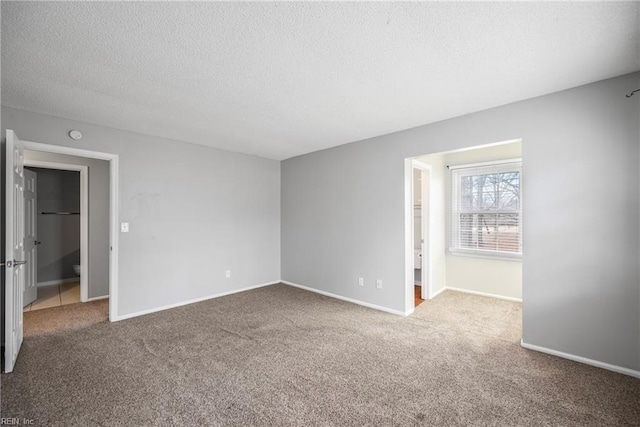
<point x="320" y="213"/>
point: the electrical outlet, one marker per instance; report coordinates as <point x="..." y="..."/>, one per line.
<point x="228" y="274"/>
<point x="360" y="281"/>
<point x="379" y="283"/>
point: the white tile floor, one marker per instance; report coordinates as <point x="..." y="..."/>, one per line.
<point x="55" y="296"/>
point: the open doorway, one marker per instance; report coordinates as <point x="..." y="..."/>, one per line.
<point x="70" y="257"/>
<point x="464" y="223"/>
<point x="56" y="234"/>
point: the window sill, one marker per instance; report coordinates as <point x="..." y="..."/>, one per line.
<point x="502" y="256"/>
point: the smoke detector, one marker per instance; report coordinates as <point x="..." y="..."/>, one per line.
<point x="75" y="134"/>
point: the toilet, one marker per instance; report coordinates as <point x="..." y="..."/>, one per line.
<point x="76" y="268"/>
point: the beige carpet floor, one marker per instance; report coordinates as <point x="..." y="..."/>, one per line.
<point x="65" y="318"/>
<point x="283" y="356"/>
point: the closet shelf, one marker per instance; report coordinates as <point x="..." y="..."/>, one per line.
<point x="59" y="213"/>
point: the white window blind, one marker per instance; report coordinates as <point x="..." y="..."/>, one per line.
<point x="486" y="209"/>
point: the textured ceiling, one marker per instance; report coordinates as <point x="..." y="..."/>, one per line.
<point x="283" y="79"/>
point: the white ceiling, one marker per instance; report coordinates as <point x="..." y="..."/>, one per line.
<point x="283" y="79"/>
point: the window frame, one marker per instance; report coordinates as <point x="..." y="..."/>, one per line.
<point x="457" y="173"/>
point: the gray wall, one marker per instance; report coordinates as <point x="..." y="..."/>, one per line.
<point x="343" y="215"/>
<point x="57" y="191"/>
<point x="193" y="211"/>
<point x="98" y="269"/>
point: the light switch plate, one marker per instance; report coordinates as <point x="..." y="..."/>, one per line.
<point x="124" y="227"/>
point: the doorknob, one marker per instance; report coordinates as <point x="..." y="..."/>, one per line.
<point x="14" y="263"/>
<point x="37" y="243"/>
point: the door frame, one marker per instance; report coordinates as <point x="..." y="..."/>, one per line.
<point x="113" y="209"/>
<point x="84" y="214"/>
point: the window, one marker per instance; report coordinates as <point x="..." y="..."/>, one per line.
<point x="487" y="209"/>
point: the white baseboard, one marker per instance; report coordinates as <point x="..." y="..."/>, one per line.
<point x="438" y="292"/>
<point x="483" y="294"/>
<point x="192" y="301"/>
<point x="351" y="300"/>
<point x="58" y="282"/>
<point x="597" y="364"/>
<point x="97" y="298"/>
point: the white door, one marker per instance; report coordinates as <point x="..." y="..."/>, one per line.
<point x="30" y="237"/>
<point x="14" y="249"/>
